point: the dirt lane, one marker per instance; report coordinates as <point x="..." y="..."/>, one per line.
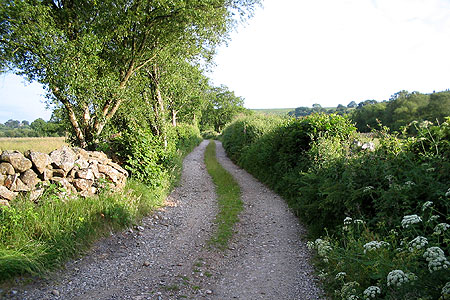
<point x="167" y="257"/>
<point x="268" y="259"/>
<point x="142" y="263"/>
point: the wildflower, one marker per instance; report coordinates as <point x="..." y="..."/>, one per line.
<point x="430" y="170"/>
<point x="436" y="259"/>
<point x="374" y="245"/>
<point x="348" y="221"/>
<point x="389" y="177"/>
<point x="448" y="193"/>
<point x="352" y="297"/>
<point x="349" y="289"/>
<point x="310" y="245"/>
<point x="409" y="183"/>
<point x="371" y="292"/>
<point x="409" y="220"/>
<point x="446" y="290"/>
<point x="340" y="275"/>
<point x="367" y="189"/>
<point x="432" y="218"/>
<point x="322" y="274"/>
<point x="418" y="243"/>
<point x="425" y="124"/>
<point x="357" y="221"/>
<point x="323" y="247"/>
<point x="441" y="227"/>
<point x="426" y="205"/>
<point x="397" y="278"/>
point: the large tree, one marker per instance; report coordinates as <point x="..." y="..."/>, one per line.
<point x="89" y="53"/>
<point x="222" y="106"/>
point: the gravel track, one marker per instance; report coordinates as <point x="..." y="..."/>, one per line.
<point x="167" y="256"/>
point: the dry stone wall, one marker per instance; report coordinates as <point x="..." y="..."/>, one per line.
<point x="77" y="170"/>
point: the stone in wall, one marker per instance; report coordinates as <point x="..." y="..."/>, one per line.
<point x="64" y="158"/>
<point x="75" y="169"/>
<point x="39" y="160"/>
<point x="6" y="169"/>
<point x="19" y="162"/>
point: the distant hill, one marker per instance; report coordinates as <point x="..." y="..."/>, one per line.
<point x="274" y="111"/>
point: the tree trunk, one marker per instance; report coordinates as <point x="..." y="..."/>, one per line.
<point x="160" y="110"/>
<point x="174" y="118"/>
<point x="72" y="118"/>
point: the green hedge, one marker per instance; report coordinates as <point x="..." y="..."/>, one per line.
<point x="382" y="215"/>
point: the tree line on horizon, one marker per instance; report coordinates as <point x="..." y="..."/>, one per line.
<point x="37" y="128"/>
<point x="401" y="109"/>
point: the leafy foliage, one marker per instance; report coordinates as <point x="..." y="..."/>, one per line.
<point x="93" y="57"/>
<point x="221" y="108"/>
<point x="394" y="201"/>
<point x="401" y="109"/>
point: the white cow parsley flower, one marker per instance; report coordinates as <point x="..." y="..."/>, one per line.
<point x="436" y="259"/>
<point x="374" y="245"/>
<point x="397" y="278"/>
<point x="340" y="275"/>
<point x="418" y="243"/>
<point x="371" y="292"/>
<point x="409" y="220"/>
<point x="348" y="221"/>
<point x="446" y="290"/>
<point x="426" y="205"/>
<point x="441" y="227"/>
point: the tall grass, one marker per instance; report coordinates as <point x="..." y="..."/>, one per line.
<point x="40" y="144"/>
<point x="35" y="238"/>
<point x="229" y="198"/>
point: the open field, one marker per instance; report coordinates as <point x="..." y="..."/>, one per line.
<point x="42" y="144"/>
<point x="274" y="111"/>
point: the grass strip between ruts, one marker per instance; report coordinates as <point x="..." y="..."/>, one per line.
<point x="228" y="196"/>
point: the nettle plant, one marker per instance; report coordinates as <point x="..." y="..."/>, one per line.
<point x="407" y="262"/>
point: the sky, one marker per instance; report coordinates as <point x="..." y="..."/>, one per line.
<point x="299" y="52"/>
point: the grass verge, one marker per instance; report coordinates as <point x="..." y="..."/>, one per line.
<point x="229" y="198"/>
<point x="36" y="238"/>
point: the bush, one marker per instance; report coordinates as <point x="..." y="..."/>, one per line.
<point x="143" y="154"/>
<point x="245" y="131"/>
<point x="188" y="137"/>
<point x="276" y="150"/>
<point x="326" y="178"/>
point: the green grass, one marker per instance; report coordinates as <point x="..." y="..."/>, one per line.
<point x="229" y="198"/>
<point x="42" y="144"/>
<point x="37" y="238"/>
<point x="274" y="111"/>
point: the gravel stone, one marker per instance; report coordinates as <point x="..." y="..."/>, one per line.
<point x="171" y="258"/>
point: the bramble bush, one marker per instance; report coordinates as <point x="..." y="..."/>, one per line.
<point x="147" y="157"/>
<point x="394" y="199"/>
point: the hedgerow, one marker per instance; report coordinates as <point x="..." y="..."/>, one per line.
<point x="379" y="217"/>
